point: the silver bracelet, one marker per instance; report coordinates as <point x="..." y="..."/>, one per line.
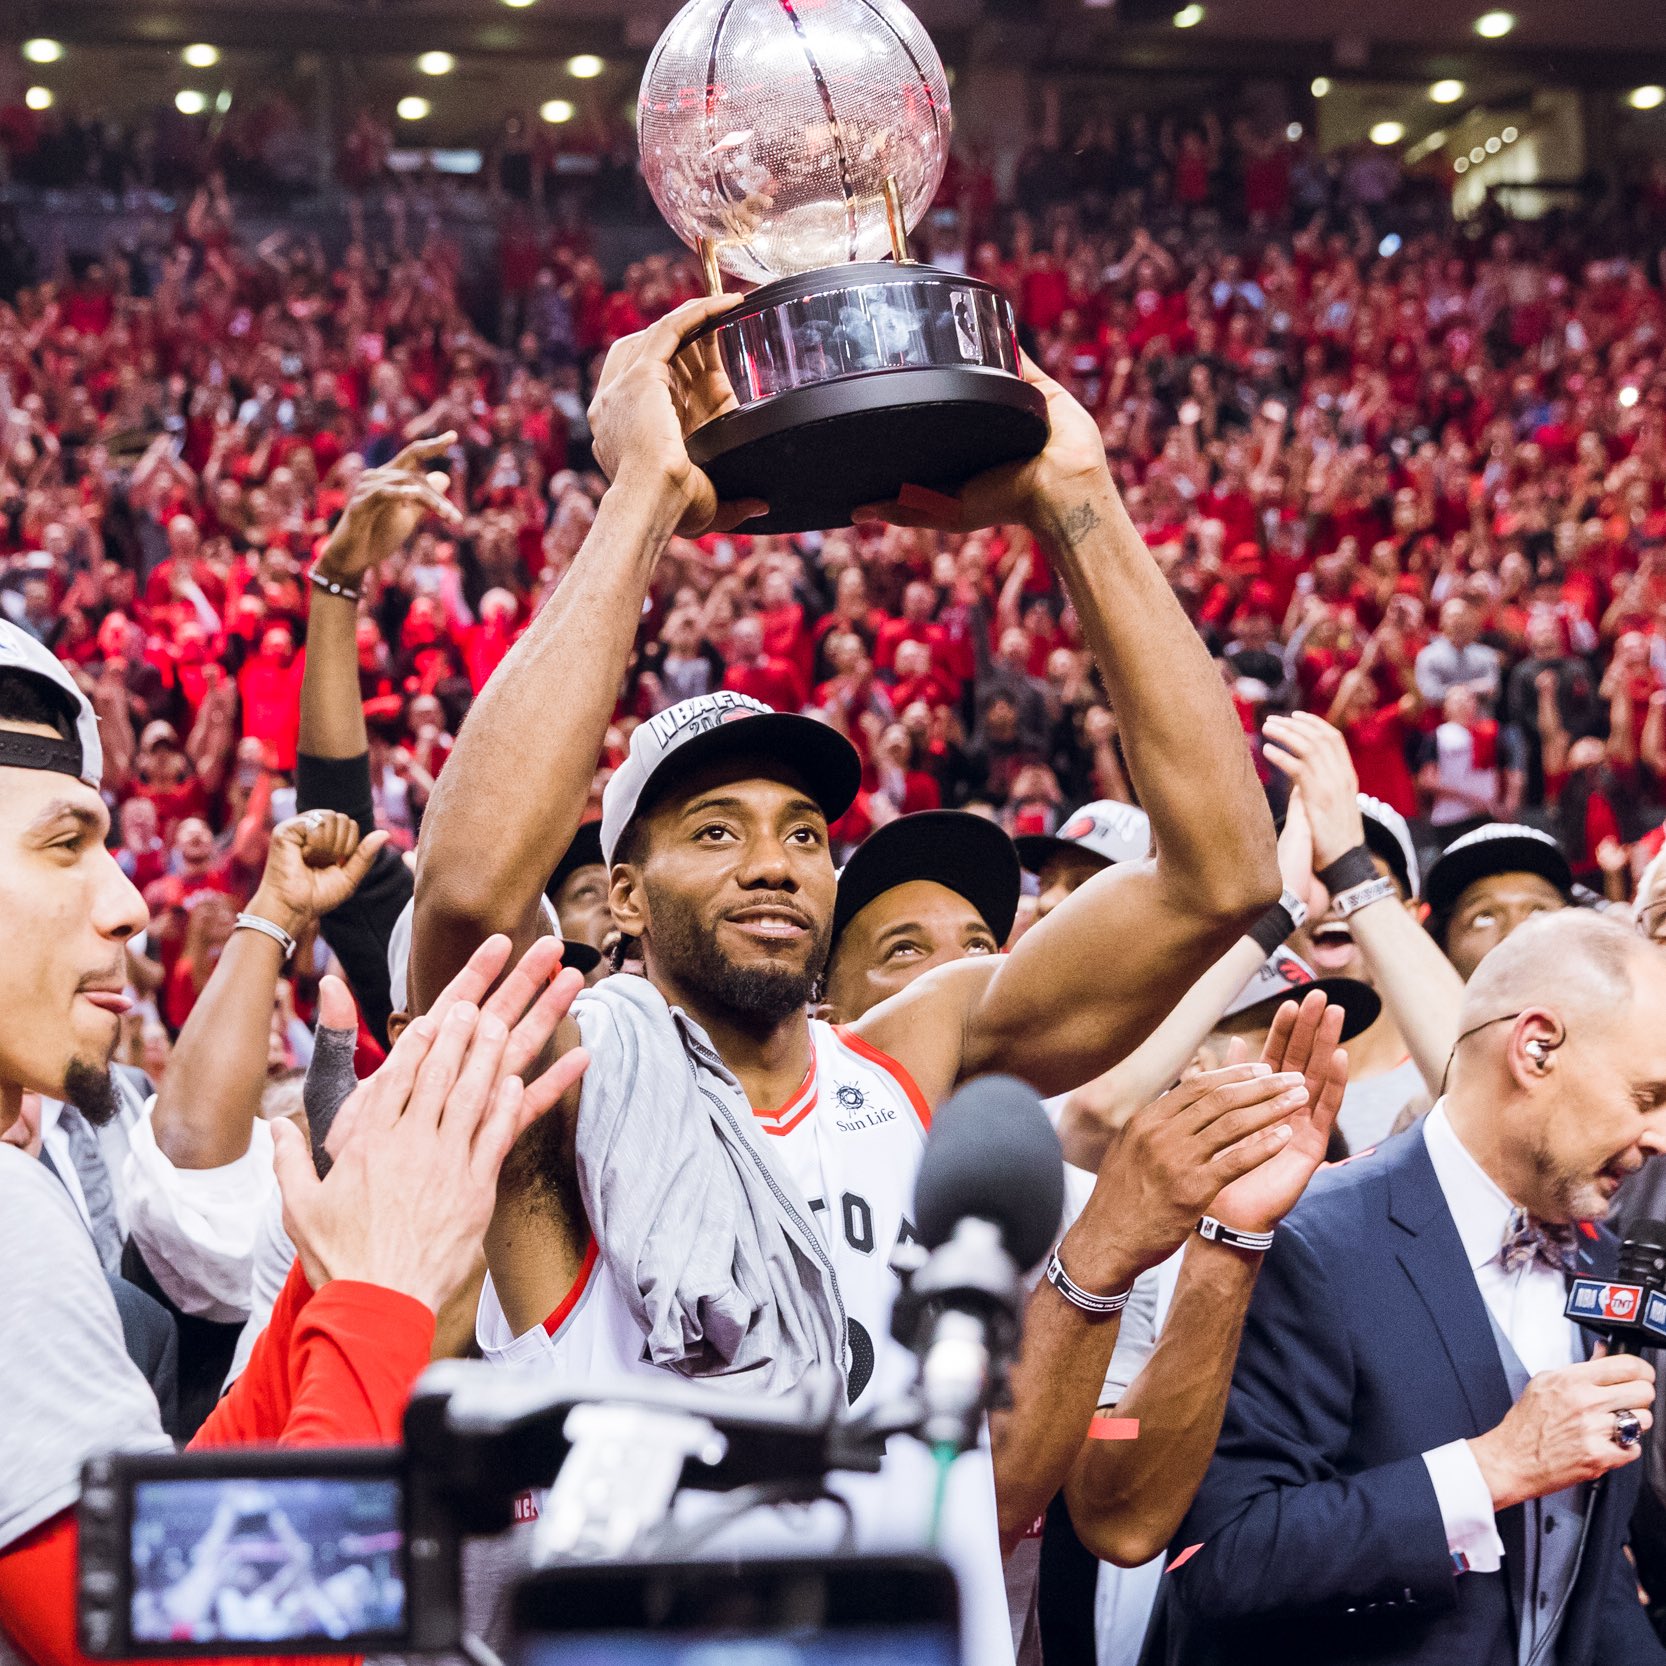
<point x="254" y="922"/>
<point x="332" y="586"/>
<point x="1218" y="1232"/>
<point x="1101" y="1307"/>
<point x="1362" y="896"/>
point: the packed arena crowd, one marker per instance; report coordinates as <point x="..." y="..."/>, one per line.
<point x="320" y="569"/>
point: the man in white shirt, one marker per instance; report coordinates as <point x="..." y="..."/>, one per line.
<point x="1419" y="1460"/>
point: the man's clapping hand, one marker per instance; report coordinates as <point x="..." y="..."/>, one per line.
<point x="417" y="1147"/>
<point x="1165" y="1166"/>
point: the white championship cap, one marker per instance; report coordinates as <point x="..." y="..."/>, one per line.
<point x="728" y="725"/>
<point x="82" y="757"/>
<point x="1110" y="830"/>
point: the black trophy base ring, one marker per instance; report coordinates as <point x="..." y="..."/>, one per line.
<point x="814" y="454"/>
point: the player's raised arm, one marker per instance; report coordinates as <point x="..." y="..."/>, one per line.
<point x="506" y="808"/>
<point x="1091" y="980"/>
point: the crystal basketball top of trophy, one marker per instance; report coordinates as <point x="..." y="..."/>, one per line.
<point x="794" y="144"/>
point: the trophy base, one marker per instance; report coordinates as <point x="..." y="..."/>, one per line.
<point x="815" y="453"/>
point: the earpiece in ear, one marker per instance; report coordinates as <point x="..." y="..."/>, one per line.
<point x="1537" y="1050"/>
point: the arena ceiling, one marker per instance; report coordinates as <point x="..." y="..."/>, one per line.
<point x="1609" y="40"/>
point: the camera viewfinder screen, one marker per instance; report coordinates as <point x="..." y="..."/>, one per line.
<point x="272" y="1560"/>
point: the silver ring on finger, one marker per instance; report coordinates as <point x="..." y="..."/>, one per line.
<point x="316" y="818"/>
<point x="1628" y="1429"/>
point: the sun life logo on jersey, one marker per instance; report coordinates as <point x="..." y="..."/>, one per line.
<point x="857" y="1112"/>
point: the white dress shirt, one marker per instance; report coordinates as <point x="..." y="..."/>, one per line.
<point x="1526" y="1305"/>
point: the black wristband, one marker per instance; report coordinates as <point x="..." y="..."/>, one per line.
<point x="1273" y="928"/>
<point x="1351" y="868"/>
<point x="1279" y="923"/>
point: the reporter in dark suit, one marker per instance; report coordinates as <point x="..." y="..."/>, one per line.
<point x="1419" y="1461"/>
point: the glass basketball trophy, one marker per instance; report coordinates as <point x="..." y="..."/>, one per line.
<point x="794" y="144"/>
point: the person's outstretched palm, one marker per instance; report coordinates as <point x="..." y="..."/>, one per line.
<point x="1305" y="1038"/>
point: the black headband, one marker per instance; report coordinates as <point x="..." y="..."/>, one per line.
<point x="20" y="751"/>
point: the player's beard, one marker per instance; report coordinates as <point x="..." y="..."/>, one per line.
<point x="759" y="993"/>
<point x="91" y="1089"/>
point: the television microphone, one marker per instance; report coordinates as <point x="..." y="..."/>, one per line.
<point x="1629" y="1310"/>
<point x="987" y="1206"/>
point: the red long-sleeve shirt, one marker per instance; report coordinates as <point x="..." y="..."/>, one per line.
<point x="331" y="1369"/>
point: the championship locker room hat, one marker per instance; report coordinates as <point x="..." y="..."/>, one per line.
<point x="1284" y="976"/>
<point x="1501" y="847"/>
<point x="727" y="725"/>
<point x="1111" y="831"/>
<point x="82" y="757"/>
<point x="1387" y="836"/>
<point x="969" y="855"/>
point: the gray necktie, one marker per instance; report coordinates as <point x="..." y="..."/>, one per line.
<point x="96" y="1187"/>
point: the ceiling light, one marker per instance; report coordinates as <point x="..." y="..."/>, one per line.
<point x="517" y="4"/>
<point x="412" y="108"/>
<point x="189" y="102"/>
<point x="1293" y="132"/>
<point x="1494" y="25"/>
<point x="222" y="100"/>
<point x="1321" y="86"/>
<point x="1494" y="145"/>
<point x="1434" y="142"/>
<point x="43" y="51"/>
<point x="586" y="66"/>
<point x="201" y="55"/>
<point x="1188" y="17"/>
<point x="1446" y="92"/>
<point x="436" y="63"/>
<point x="556" y="110"/>
<point x="1510" y="135"/>
<point x="1477" y="155"/>
<point x="1646" y="98"/>
<point x="38" y="98"/>
<point x="1628" y="395"/>
<point x="1388" y="133"/>
<point x="1461" y="165"/>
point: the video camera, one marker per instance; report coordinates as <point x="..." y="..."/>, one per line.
<point x="318" y="1552"/>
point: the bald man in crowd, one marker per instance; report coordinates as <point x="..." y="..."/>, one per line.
<point x="1409" y="1463"/>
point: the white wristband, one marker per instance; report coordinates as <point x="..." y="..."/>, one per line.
<point x="1100" y="1307"/>
<point x="254" y="922"/>
<point x="1362" y="896"/>
<point x="1218" y="1232"/>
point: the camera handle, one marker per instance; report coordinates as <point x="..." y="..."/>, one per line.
<point x="621" y="1474"/>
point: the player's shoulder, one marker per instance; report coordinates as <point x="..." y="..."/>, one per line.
<point x="923" y="1027"/>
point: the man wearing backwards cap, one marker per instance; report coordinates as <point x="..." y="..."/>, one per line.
<point x="1484" y="885"/>
<point x="919" y="892"/>
<point x="715" y="830"/>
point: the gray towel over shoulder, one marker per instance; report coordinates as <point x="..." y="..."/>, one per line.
<point x="705" y="1235"/>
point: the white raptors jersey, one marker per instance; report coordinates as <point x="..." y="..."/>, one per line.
<point x="850" y="1138"/>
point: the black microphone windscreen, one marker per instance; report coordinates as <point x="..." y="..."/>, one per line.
<point x="993" y="1155"/>
<point x="1642" y="1258"/>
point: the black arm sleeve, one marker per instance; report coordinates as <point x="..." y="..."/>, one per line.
<point x="359" y="930"/>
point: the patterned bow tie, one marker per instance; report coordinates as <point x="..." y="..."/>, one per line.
<point x="1526" y="1239"/>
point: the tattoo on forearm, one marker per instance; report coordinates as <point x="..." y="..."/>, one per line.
<point x="1078" y="523"/>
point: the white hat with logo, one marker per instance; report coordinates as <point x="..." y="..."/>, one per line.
<point x="727" y="725"/>
<point x="1110" y="830"/>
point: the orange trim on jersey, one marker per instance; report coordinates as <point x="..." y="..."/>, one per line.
<point x="889" y="1065"/>
<point x="564" y="1311"/>
<point x="786" y="1117"/>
